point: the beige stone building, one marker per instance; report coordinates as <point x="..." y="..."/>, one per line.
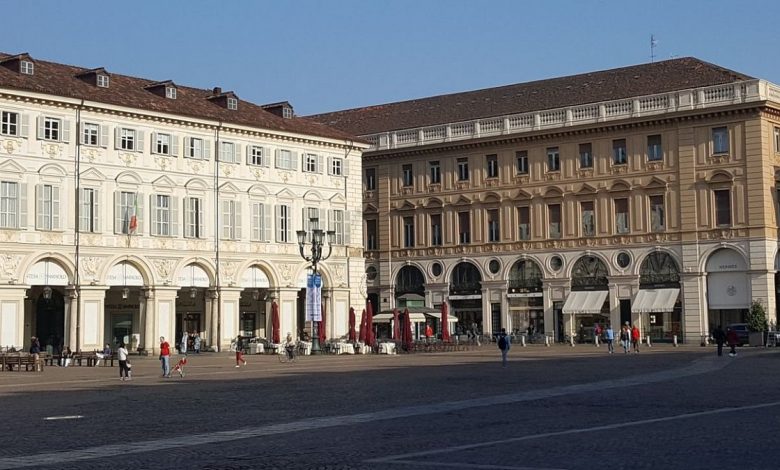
<point x="645" y="194"/>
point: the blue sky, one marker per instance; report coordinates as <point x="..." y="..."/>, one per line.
<point x="338" y="54"/>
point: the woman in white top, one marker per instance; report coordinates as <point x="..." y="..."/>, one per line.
<point x="124" y="371"/>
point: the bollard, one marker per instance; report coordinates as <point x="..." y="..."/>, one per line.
<point x="674" y="340"/>
<point x="522" y="340"/>
<point x="596" y="340"/>
<point x="571" y="340"/>
<point x="547" y="341"/>
<point x="649" y="344"/>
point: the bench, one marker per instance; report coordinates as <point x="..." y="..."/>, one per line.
<point x="16" y="362"/>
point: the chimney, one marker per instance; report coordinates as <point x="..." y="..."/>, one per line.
<point x="217" y="91"/>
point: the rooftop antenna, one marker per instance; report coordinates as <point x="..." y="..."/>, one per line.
<point x="653" y="44"/>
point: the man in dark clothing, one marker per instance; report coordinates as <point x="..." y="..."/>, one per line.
<point x="720" y="337"/>
<point x="732" y="339"/>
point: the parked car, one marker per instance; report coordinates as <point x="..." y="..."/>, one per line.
<point x="742" y="332"/>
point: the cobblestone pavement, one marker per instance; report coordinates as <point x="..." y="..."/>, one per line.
<point x="551" y="408"/>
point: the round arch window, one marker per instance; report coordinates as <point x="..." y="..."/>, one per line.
<point x="436" y="269"/>
<point x="623" y="260"/>
<point x="556" y="263"/>
<point x="494" y="266"/>
<point x="371" y="273"/>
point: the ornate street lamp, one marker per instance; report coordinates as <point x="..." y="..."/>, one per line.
<point x="47" y="293"/>
<point x="318" y="242"/>
<point x="125" y="293"/>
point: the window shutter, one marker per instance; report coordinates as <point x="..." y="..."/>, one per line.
<point x="187" y="218"/>
<point x="66" y="130"/>
<point x="139" y="215"/>
<point x="223" y="219"/>
<point x="248" y="154"/>
<point x="153" y="215"/>
<point x="266" y="152"/>
<point x="279" y="233"/>
<point x="55" y="208"/>
<point x="174" y="216"/>
<point x="303" y="162"/>
<point x="237" y="234"/>
<point x="235" y="158"/>
<point x="345" y="167"/>
<point x="187" y="146"/>
<point x="206" y="150"/>
<point x="118" y="216"/>
<point x="256" y="219"/>
<point x="96" y="211"/>
<point x="200" y="218"/>
<point x="153" y="149"/>
<point x="330" y="165"/>
<point x="320" y="168"/>
<point x="40" y="120"/>
<point x="24" y="128"/>
<point x="331" y="224"/>
<point x="39" y="220"/>
<point x="117" y="138"/>
<point x="347" y="223"/>
<point x="306" y="223"/>
<point x="289" y="225"/>
<point x="22" y="205"/>
<point x="266" y="214"/>
<point x="276" y="158"/>
<point x="139" y="141"/>
<point x="174" y="145"/>
<point x="104" y="135"/>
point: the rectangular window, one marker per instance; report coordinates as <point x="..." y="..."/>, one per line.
<point x="621" y="216"/>
<point x="89" y="210"/>
<point x="162" y="215"/>
<point x="195" y="148"/>
<point x="722" y="207"/>
<point x="554" y="215"/>
<point x="524" y="223"/>
<point x="102" y="81"/>
<point x="619" y="152"/>
<point x="283" y="223"/>
<point x="256" y="155"/>
<point x="310" y="163"/>
<point x="9" y="204"/>
<point x="436" y="234"/>
<point x="435" y="171"/>
<point x="90" y="134"/>
<point x="336" y="223"/>
<point x="657" y="213"/>
<point x="127" y="139"/>
<point x="170" y="92"/>
<point x="48" y="207"/>
<point x="655" y="151"/>
<point x="406" y="175"/>
<point x="494" y="225"/>
<point x="285" y="159"/>
<point x="227" y="152"/>
<point x="261" y="222"/>
<point x="336" y="166"/>
<point x="553" y="159"/>
<point x="126" y="205"/>
<point x="408" y="232"/>
<point x="588" y="218"/>
<point x="464" y="228"/>
<point x="193" y="217"/>
<point x="232" y="103"/>
<point x="586" y="155"/>
<point x="521" y="157"/>
<point x="51" y="128"/>
<point x="372" y="242"/>
<point x="777" y="139"/>
<point x="162" y="146"/>
<point x="492" y="166"/>
<point x="27" y="67"/>
<point x="463" y="169"/>
<point x="9" y="124"/>
<point x="231" y="220"/>
<point x="370" y="181"/>
<point x="720" y="140"/>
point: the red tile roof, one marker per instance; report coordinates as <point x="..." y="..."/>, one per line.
<point x="62" y="80"/>
<point x="606" y="85"/>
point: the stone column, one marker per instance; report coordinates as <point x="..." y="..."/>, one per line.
<point x="694" y="295"/>
<point x="149" y="318"/>
<point x="213" y="295"/>
<point x="229" y="315"/>
<point x="165" y="315"/>
<point x="70" y="317"/>
<point x="90" y="319"/>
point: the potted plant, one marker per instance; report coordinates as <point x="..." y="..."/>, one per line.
<point x="757" y="323"/>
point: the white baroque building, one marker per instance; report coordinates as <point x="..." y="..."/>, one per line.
<point x="218" y="186"/>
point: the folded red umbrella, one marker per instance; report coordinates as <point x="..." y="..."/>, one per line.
<point x="352" y="334"/>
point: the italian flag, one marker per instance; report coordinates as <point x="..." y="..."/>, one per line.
<point x="134" y="217"/>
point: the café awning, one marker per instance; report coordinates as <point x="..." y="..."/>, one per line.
<point x="655" y="300"/>
<point x="585" y="302"/>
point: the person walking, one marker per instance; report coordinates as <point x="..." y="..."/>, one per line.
<point x="720" y="337"/>
<point x="504" y="343"/>
<point x="124" y="370"/>
<point x="428" y="332"/>
<point x="35" y="352"/>
<point x="196" y="343"/>
<point x="183" y="344"/>
<point x="636" y="338"/>
<point x="732" y="339"/>
<point x="625" y="338"/>
<point x="597" y="334"/>
<point x="609" y="337"/>
<point x="240" y="351"/>
<point x="165" y="357"/>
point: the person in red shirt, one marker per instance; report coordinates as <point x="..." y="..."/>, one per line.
<point x="428" y="332"/>
<point x="732" y="339"/>
<point x="165" y="357"/>
<point x="635" y="338"/>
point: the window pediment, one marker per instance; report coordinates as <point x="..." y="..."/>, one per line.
<point x="128" y="177"/>
<point x="163" y="182"/>
<point x="53" y="170"/>
<point x="10" y="166"/>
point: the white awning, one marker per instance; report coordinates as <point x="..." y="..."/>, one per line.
<point x="386" y="317"/>
<point x="588" y="302"/>
<point x="655" y="300"/>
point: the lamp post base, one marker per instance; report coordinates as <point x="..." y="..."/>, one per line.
<point x="315" y="346"/>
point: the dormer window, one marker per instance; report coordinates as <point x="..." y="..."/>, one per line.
<point x="232" y="103"/>
<point x="27" y="67"/>
<point x="102" y="81"/>
<point x="287" y="113"/>
<point x="170" y="92"/>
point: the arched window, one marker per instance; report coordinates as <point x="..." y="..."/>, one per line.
<point x="525" y="276"/>
<point x="465" y="280"/>
<point x="589" y="273"/>
<point x="409" y="280"/>
<point x="659" y="270"/>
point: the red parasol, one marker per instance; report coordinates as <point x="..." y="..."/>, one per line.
<point x="362" y="337"/>
<point x="445" y="326"/>
<point x="396" y="326"/>
<point x="409" y="336"/>
<point x="352" y="334"/>
<point x="275" y="323"/>
<point x="369" y="325"/>
<point x="322" y="333"/>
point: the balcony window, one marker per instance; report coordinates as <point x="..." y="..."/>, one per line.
<point x="619" y="152"/>
<point x="370" y="179"/>
<point x="655" y="151"/>
<point x="521" y="159"/>
<point x="407" y="176"/>
<point x="524" y="223"/>
<point x="554" y="217"/>
<point x="586" y="156"/>
<point x="494" y="226"/>
<point x="722" y="207"/>
<point x="553" y="159"/>
<point x="463" y="169"/>
<point x="492" y="166"/>
<point x="435" y="171"/>
<point x="621" y="216"/>
<point x="720" y="140"/>
<point x="464" y="228"/>
<point x="657" y="213"/>
<point x="408" y="232"/>
<point x="436" y="235"/>
<point x="588" y="219"/>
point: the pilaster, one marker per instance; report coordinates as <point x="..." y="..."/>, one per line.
<point x="12" y="309"/>
<point x="164" y="320"/>
<point x="228" y="317"/>
<point x="91" y="318"/>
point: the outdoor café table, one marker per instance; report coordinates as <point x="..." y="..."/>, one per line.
<point x="306" y="348"/>
<point x="386" y="348"/>
<point x="344" y="348"/>
<point x="256" y="348"/>
<point x="276" y="348"/>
